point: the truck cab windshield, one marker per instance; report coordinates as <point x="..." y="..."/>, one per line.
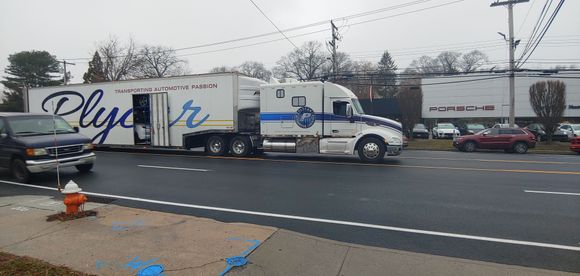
<point x="357" y="107"/>
<point x="30" y="126"/>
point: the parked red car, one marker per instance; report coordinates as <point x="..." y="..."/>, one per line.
<point x="575" y="144"/>
<point x="509" y="139"/>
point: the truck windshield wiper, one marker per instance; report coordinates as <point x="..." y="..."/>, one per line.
<point x="29" y="133"/>
<point x="64" y="131"/>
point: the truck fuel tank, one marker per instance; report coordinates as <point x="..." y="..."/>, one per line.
<point x="279" y="145"/>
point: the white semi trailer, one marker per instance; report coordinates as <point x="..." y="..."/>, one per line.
<point x="226" y="113"/>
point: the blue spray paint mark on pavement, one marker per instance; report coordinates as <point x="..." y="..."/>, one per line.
<point x="145" y="268"/>
<point x="136" y="263"/>
<point x="239" y="260"/>
<point x="152" y="270"/>
<point x="100" y="264"/>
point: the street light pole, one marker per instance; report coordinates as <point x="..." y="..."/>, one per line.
<point x="512" y="48"/>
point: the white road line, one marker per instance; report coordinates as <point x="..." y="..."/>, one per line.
<point x="554" y="193"/>
<point x="329" y="221"/>
<point x="174" y="168"/>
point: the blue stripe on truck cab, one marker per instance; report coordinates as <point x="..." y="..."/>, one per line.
<point x="272" y="116"/>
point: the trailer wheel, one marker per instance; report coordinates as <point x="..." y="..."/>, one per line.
<point x="216" y="146"/>
<point x="371" y="150"/>
<point x="241" y="146"/>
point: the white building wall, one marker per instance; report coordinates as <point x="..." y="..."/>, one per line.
<point x="487" y="96"/>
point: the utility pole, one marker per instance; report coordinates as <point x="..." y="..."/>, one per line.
<point x="64" y="62"/>
<point x="510" y="5"/>
<point x="333" y="44"/>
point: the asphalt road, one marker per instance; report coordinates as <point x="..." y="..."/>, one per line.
<point x="422" y="201"/>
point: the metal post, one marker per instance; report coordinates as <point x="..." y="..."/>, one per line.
<point x="512" y="67"/>
<point x="372" y="96"/>
<point x="65" y="76"/>
<point x="333" y="49"/>
<point x="510" y="5"/>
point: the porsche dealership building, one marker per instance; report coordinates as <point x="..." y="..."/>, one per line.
<point x="486" y="96"/>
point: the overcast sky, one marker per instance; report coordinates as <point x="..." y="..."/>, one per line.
<point x="71" y="29"/>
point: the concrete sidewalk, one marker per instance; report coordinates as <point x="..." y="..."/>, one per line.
<point x="122" y="241"/>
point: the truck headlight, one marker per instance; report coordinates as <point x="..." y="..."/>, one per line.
<point x="88" y="146"/>
<point x="394" y="140"/>
<point x="36" y="152"/>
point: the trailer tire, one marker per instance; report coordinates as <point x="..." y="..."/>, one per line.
<point x="216" y="146"/>
<point x="371" y="150"/>
<point x="241" y="146"/>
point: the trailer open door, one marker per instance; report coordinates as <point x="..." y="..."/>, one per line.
<point x="159" y="119"/>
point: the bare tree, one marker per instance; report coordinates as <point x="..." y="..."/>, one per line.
<point x="548" y="100"/>
<point x="472" y="61"/>
<point x="344" y="65"/>
<point x="305" y="63"/>
<point x="410" y="98"/>
<point x="255" y="69"/>
<point x="221" y="69"/>
<point x="119" y="61"/>
<point x="158" y="62"/>
<point x="449" y="61"/>
<point x="426" y="65"/>
<point x="359" y="79"/>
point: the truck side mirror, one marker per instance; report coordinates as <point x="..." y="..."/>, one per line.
<point x="76" y="129"/>
<point x="348" y="110"/>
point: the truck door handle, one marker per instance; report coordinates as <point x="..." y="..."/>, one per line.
<point x="334" y="131"/>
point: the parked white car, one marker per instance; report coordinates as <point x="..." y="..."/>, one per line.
<point x="573" y="129"/>
<point x="504" y="126"/>
<point x="445" y="130"/>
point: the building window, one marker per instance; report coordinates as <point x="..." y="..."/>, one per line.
<point x="280" y="93"/>
<point x="299" y="101"/>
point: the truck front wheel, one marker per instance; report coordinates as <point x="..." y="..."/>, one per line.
<point x="216" y="146"/>
<point x="19" y="171"/>
<point x="371" y="150"/>
<point x="241" y="146"/>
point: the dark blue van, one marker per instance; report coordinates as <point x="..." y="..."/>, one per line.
<point x="33" y="143"/>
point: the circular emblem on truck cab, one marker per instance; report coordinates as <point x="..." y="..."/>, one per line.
<point x="305" y="117"/>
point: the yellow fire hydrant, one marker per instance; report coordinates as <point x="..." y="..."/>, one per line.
<point x="73" y="200"/>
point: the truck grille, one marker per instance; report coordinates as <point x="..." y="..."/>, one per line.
<point x="65" y="150"/>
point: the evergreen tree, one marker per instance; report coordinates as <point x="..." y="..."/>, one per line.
<point x="387" y="76"/>
<point x="95" y="73"/>
<point x="30" y="69"/>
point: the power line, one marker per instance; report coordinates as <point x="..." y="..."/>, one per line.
<point x="555" y="39"/>
<point x="309" y="33"/>
<point x="273" y="24"/>
<point x="425" y="84"/>
<point x="544" y="30"/>
<point x="541" y="18"/>
<point x="408" y="4"/>
<point x="405" y="13"/>
<point x="526" y="17"/>
<point x="248" y="45"/>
